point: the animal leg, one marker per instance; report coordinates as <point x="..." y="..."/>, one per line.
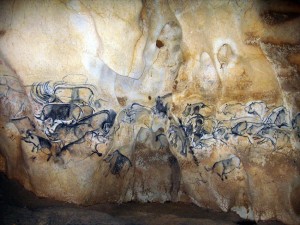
<point x="96" y="152"/>
<point x="49" y="157"/>
<point x="221" y="176"/>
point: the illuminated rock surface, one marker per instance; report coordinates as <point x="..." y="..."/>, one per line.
<point x="155" y="101"/>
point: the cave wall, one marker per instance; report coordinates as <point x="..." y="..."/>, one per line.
<point x="154" y="101"/>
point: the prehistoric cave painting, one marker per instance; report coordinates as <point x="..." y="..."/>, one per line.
<point x="63" y="103"/>
<point x="69" y="116"/>
<point x="296" y="124"/>
<point x="137" y="115"/>
<point x="254" y="121"/>
<point x="61" y="92"/>
<point x="257" y="108"/>
<point x="192" y="130"/>
<point x="223" y="167"/>
<point x="278" y="117"/>
<point x="23" y="124"/>
<point x="99" y="154"/>
<point x="232" y="111"/>
<point x="96" y="126"/>
<point x="38" y="143"/>
<point x="71" y="143"/>
<point x="132" y="113"/>
<point x="193" y="109"/>
<point x="118" y="163"/>
<point x="240" y="129"/>
<point x="261" y="125"/>
<point x="54" y="114"/>
<point x="161" y="108"/>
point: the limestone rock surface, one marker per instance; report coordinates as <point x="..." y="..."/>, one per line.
<point x="154" y="101"/>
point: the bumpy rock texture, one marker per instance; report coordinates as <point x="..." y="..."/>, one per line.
<point x="105" y="101"/>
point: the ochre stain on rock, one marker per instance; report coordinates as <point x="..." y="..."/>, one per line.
<point x="122" y="101"/>
<point x="2" y="33"/>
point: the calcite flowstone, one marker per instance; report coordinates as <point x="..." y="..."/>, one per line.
<point x="154" y="101"/>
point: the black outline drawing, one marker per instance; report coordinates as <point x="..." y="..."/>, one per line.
<point x="70" y="110"/>
<point x="255" y="121"/>
<point x="117" y="161"/>
<point x="225" y="166"/>
<point x="296" y="124"/>
<point x="44" y="93"/>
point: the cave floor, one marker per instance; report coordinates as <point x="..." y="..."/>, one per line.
<point x="19" y="206"/>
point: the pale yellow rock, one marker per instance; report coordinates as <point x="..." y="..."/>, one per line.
<point x="116" y="101"/>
